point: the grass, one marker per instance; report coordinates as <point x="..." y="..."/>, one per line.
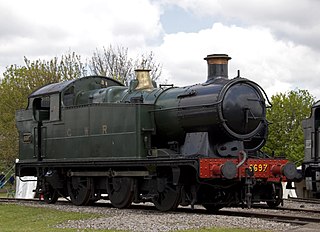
<point x="6" y="194"/>
<point x="32" y="219"/>
<point x="3" y="194"/>
<point x="23" y="218"/>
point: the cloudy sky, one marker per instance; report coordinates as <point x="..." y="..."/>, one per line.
<point x="275" y="43"/>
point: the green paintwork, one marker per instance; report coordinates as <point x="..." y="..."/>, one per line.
<point x="97" y="117"/>
<point x="97" y="131"/>
<point x="83" y="121"/>
<point x="26" y="124"/>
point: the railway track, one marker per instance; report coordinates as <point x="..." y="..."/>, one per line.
<point x="282" y="208"/>
<point x="271" y="216"/>
<point x="5" y="199"/>
<point x="304" y="200"/>
<point x="293" y="219"/>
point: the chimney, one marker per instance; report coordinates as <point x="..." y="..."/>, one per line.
<point x="217" y="66"/>
<point x="144" y="80"/>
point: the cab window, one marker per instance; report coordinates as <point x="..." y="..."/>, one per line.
<point x="46" y="108"/>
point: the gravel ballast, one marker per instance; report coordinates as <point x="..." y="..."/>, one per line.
<point x="149" y="220"/>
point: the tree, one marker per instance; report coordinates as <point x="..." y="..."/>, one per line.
<point x="285" y="131"/>
<point x="116" y="64"/>
<point x="147" y="61"/>
<point x="112" y="63"/>
<point x="19" y="82"/>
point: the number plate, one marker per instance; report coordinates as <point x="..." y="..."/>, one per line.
<point x="259" y="167"/>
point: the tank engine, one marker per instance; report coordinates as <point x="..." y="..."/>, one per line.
<point x="94" y="138"/>
<point x="311" y="163"/>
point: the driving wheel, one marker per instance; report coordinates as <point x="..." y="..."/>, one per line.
<point x="120" y="191"/>
<point x="79" y="189"/>
<point x="50" y="195"/>
<point x="168" y="197"/>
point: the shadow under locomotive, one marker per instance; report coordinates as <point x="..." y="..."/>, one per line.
<point x="172" y="146"/>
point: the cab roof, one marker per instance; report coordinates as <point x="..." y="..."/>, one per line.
<point x="89" y="82"/>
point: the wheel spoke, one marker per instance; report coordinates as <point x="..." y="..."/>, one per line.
<point x="168" y="199"/>
<point x="79" y="190"/>
<point x="120" y="191"/>
<point x="50" y="195"/>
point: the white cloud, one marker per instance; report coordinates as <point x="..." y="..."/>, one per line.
<point x="276" y="65"/>
<point x="38" y="28"/>
<point x="296" y="21"/>
<point x="274" y="43"/>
